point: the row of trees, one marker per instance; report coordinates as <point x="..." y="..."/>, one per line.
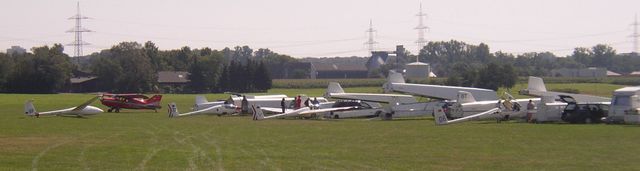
<point x="46" y="70"/>
<point x="133" y="67"/>
<point x="476" y="66"/>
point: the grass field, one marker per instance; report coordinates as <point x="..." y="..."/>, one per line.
<point x="143" y="140"/>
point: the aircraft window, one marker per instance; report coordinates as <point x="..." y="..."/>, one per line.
<point x="621" y="101"/>
<point x="365" y="105"/>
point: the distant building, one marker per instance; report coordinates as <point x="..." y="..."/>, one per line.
<point x="584" y="72"/>
<point x="172" y="81"/>
<point x="635" y="74"/>
<point x="16" y="50"/>
<point x="418" y="70"/>
<point x="612" y="74"/>
<point x="84" y="84"/>
<point x="340" y="70"/>
<point x="379" y="58"/>
<point x="292" y="70"/>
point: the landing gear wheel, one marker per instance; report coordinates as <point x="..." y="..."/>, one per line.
<point x="336" y="116"/>
<point x="109" y="110"/>
<point x="117" y="110"/>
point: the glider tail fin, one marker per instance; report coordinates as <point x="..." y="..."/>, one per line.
<point x="201" y="100"/>
<point x="257" y="113"/>
<point x="393" y="77"/>
<point x="440" y="116"/>
<point x="465" y="97"/>
<point x="29" y="109"/>
<point x="334" y="87"/>
<point x="173" y="110"/>
<point x="536" y="83"/>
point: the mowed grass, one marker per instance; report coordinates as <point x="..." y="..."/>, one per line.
<point x="144" y="140"/>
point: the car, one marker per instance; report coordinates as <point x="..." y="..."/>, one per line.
<point x="583" y="112"/>
<point x="363" y="109"/>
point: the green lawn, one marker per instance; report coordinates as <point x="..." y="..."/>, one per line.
<point x="144" y="140"/>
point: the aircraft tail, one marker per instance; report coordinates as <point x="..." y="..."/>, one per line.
<point x="393" y="77"/>
<point x="155" y="99"/>
<point x="173" y="110"/>
<point x="440" y="116"/>
<point x="465" y="97"/>
<point x="29" y="109"/>
<point x="201" y="100"/>
<point x="536" y="83"/>
<point x="257" y="113"/>
<point x="334" y="87"/>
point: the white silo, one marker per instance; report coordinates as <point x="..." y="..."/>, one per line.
<point x="418" y="70"/>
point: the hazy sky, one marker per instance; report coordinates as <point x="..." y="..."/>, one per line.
<point x="323" y="28"/>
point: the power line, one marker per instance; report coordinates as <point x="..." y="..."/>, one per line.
<point x="78" y="30"/>
<point x="635" y="34"/>
<point x="421" y="28"/>
<point x="370" y="43"/>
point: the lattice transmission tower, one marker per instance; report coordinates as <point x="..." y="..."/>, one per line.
<point x="77" y="31"/>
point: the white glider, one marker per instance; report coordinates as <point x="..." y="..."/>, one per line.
<point x="80" y="110"/>
<point x="259" y="115"/>
<point x="221" y="109"/>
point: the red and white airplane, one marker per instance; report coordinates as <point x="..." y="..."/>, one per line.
<point x="115" y="102"/>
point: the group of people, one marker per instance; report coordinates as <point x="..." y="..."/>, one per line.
<point x="297" y="101"/>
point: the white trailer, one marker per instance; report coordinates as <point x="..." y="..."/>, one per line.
<point x="625" y="105"/>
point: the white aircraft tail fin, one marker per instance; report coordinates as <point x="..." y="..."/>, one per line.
<point x="536" y="83"/>
<point x="465" y="97"/>
<point x="29" y="109"/>
<point x="173" y="110"/>
<point x="334" y="87"/>
<point x="201" y="100"/>
<point x="257" y="113"/>
<point x="395" y="77"/>
<point x="440" y="116"/>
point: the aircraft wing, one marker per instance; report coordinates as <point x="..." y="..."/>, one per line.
<point x="441" y="119"/>
<point x="85" y="104"/>
<point x="380" y="98"/>
<point x="326" y="110"/>
<point x="443" y="92"/>
<point x="202" y="111"/>
<point x="275" y="110"/>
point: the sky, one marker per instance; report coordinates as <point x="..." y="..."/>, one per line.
<point x="323" y="28"/>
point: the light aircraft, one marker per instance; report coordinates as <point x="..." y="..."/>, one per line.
<point x="216" y="109"/>
<point x="400" y="105"/>
<point x="258" y="100"/>
<point x="536" y="87"/>
<point x="460" y="102"/>
<point x="359" y="109"/>
<point x="81" y="110"/>
<point x="304" y="111"/>
<point x="115" y="102"/>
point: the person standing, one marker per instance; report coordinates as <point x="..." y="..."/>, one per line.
<point x="530" y="109"/>
<point x="245" y="104"/>
<point x="298" y="102"/>
<point x="306" y="103"/>
<point x="282" y="105"/>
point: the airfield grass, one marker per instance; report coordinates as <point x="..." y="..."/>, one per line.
<point x="144" y="140"/>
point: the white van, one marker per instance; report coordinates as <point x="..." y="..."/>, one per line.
<point x="625" y="105"/>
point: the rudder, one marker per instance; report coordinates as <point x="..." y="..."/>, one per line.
<point x="440" y="117"/>
<point x="173" y="110"/>
<point x="29" y="109"/>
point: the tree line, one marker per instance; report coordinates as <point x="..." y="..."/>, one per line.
<point x="131" y="67"/>
<point x="474" y="65"/>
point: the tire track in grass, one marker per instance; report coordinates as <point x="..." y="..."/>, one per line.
<point x="82" y="158"/>
<point x="36" y="159"/>
<point x="211" y="141"/>
<point x="152" y="151"/>
<point x="197" y="151"/>
<point x="266" y="159"/>
<point x="298" y="149"/>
